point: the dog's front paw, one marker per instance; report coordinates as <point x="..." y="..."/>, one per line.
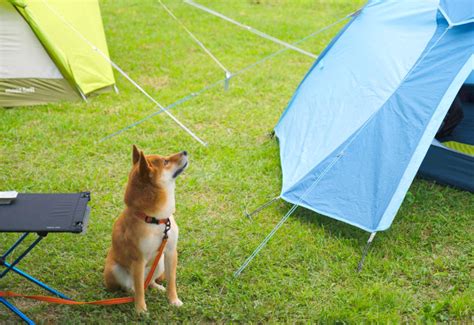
<point x="155" y="285"/>
<point x="140" y="309"/>
<point x="176" y="302"/>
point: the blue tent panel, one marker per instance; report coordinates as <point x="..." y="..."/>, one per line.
<point x="470" y="79"/>
<point x="457" y="12"/>
<point x="359" y="125"/>
<point x="346" y="87"/>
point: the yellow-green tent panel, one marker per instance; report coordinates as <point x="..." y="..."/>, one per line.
<point x="71" y="33"/>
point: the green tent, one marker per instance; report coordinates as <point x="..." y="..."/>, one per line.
<point x="51" y="50"/>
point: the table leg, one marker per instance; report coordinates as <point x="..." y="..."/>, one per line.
<point x="36" y="281"/>
<point x="12" y="267"/>
<point x="18" y="242"/>
<point x="16" y="311"/>
<point x="19" y="258"/>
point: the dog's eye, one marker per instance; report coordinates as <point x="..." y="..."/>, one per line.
<point x="166" y="162"/>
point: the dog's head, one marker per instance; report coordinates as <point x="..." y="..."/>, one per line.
<point x="152" y="178"/>
<point x="158" y="170"/>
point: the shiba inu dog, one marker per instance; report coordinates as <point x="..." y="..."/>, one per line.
<point x="149" y="196"/>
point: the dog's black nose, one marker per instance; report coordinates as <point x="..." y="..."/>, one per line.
<point x="185" y="153"/>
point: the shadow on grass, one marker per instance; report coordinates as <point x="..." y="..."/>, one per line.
<point x="416" y="218"/>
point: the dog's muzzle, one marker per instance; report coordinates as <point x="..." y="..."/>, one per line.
<point x="179" y="171"/>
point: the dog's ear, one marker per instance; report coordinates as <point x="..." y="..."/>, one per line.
<point x="143" y="166"/>
<point x="136" y="155"/>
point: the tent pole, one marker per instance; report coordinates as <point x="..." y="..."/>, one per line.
<point x="84" y="98"/>
<point x="366" y="250"/>
<point x="260" y="208"/>
<point x="265" y="241"/>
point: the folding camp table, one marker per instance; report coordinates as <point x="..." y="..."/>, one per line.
<point x="40" y="214"/>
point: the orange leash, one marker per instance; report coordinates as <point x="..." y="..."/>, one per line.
<point x="55" y="300"/>
<point x="104" y="302"/>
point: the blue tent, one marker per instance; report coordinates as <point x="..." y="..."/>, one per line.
<point x="362" y="120"/>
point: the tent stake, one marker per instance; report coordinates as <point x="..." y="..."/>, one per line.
<point x="260" y="208"/>
<point x="198" y="42"/>
<point x="366" y="250"/>
<point x="228" y="75"/>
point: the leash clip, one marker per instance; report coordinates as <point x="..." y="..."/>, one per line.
<point x="167" y="228"/>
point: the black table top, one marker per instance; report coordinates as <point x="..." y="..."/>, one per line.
<point x="46" y="213"/>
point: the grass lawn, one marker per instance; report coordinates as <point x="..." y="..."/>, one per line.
<point x="419" y="270"/>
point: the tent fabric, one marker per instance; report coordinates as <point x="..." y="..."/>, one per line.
<point x="448" y="166"/>
<point x="464" y="132"/>
<point x="34" y="91"/>
<point x="28" y="76"/>
<point x="21" y="54"/>
<point x="470" y="79"/>
<point x="461" y="147"/>
<point x="75" y="58"/>
<point x="359" y="125"/>
<point x="457" y="12"/>
<point x="43" y="59"/>
<point x="354" y="106"/>
<point x="451" y="164"/>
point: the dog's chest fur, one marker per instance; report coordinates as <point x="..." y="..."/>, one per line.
<point x="150" y="243"/>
